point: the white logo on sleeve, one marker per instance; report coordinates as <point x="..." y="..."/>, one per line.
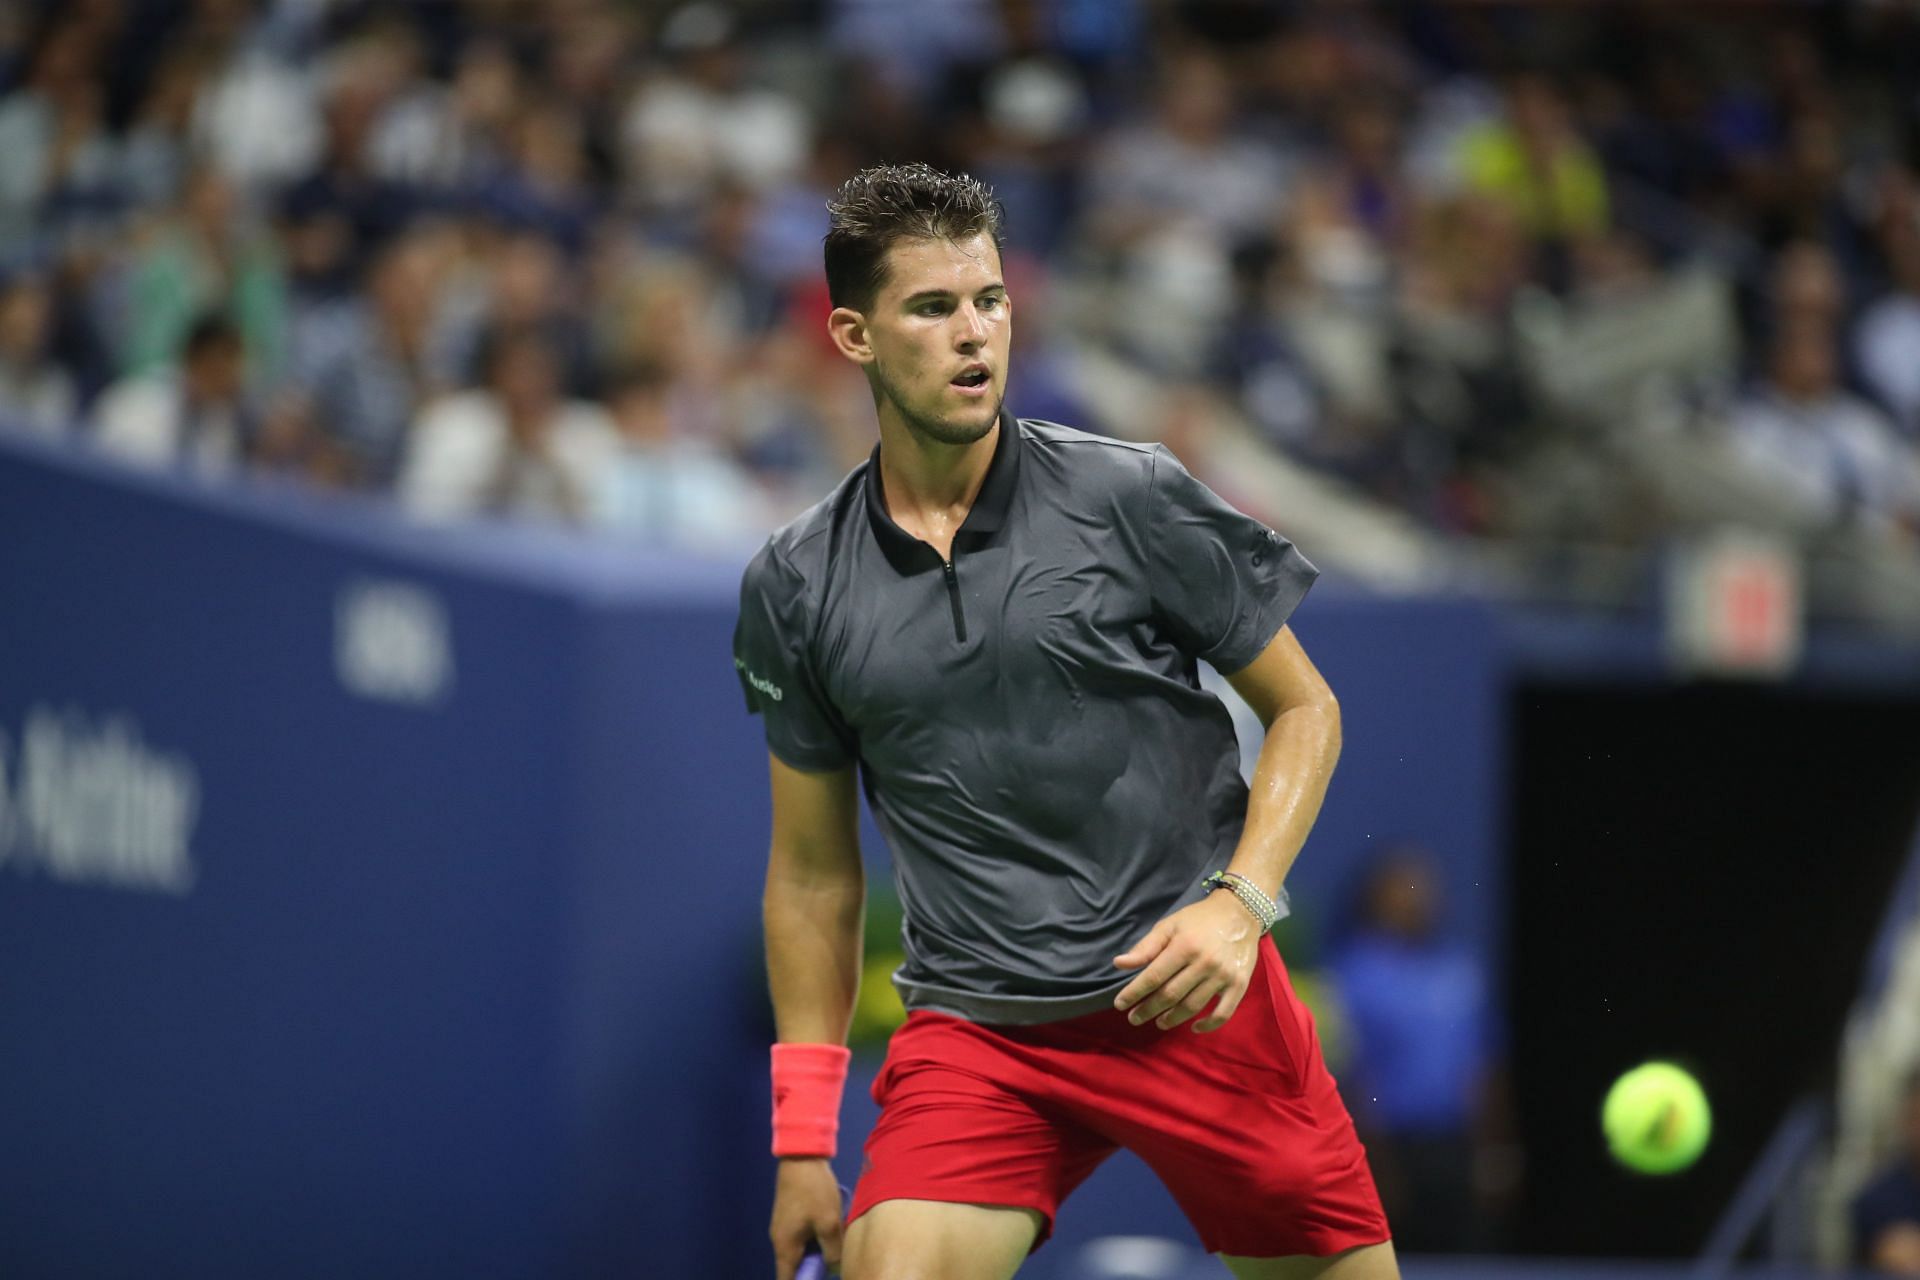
<point x="760" y="682"/>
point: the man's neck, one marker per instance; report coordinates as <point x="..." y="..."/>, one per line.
<point x="930" y="486"/>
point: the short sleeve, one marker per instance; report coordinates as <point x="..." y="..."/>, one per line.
<point x="771" y="657"/>
<point x="1223" y="584"/>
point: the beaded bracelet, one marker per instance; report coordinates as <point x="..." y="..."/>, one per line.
<point x="1263" y="909"/>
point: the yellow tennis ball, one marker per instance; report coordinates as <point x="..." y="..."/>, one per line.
<point x="1656" y="1118"/>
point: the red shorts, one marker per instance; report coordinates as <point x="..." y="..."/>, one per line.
<point x="1243" y="1124"/>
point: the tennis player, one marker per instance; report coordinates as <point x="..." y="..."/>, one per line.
<point x="999" y="622"/>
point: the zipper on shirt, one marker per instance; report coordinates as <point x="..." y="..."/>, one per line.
<point x="953" y="598"/>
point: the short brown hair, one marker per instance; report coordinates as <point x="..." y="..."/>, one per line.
<point x="891" y="202"/>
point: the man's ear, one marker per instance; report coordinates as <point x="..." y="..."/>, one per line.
<point x="848" y="329"/>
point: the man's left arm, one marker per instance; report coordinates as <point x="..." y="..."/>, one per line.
<point x="1207" y="951"/>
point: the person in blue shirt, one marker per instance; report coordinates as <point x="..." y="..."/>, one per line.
<point x="1886" y="1215"/>
<point x="1425" y="1068"/>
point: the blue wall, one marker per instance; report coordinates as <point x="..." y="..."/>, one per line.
<point x="466" y="978"/>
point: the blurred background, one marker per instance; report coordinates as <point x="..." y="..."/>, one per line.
<point x="390" y="395"/>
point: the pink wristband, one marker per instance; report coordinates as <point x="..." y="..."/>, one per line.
<point x="807" y="1082"/>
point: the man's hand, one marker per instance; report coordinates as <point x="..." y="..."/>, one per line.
<point x="1195" y="954"/>
<point x="806" y="1206"/>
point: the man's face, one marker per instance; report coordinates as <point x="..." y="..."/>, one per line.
<point x="936" y="337"/>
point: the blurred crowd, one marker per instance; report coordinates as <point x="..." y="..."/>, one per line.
<point x="561" y="260"/>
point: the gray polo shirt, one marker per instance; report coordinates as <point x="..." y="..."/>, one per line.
<point x="1028" y="718"/>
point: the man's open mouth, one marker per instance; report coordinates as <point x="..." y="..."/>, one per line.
<point x="972" y="378"/>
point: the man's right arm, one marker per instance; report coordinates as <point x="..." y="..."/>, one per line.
<point x="815" y="904"/>
<point x="814" y="913"/>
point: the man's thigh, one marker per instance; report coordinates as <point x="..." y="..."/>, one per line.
<point x="935" y="1240"/>
<point x="962" y="1122"/>
<point x="1368" y="1262"/>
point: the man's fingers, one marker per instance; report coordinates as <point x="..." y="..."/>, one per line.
<point x="1168" y="963"/>
<point x="1175" y="989"/>
<point x="1222" y="1011"/>
<point x="1144" y="950"/>
<point x="790" y="1246"/>
<point x="1191" y="1004"/>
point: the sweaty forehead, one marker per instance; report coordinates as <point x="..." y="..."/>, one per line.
<point x="959" y="266"/>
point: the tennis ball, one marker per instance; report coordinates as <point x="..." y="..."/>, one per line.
<point x="1656" y="1118"/>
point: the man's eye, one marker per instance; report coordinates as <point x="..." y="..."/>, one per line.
<point x="933" y="309"/>
<point x="989" y="303"/>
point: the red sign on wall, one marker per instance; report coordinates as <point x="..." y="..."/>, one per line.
<point x="1734" y="606"/>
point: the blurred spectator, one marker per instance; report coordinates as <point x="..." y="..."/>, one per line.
<point x="448" y="137"/>
<point x="667" y="486"/>
<point x="255" y="117"/>
<point x="1356" y="209"/>
<point x="1832" y="454"/>
<point x="53" y="135"/>
<point x="1048" y="382"/>
<point x="1025" y="144"/>
<point x="1886" y="1215"/>
<point x="1887" y="343"/>
<point x="543" y="186"/>
<point x="588" y="61"/>
<point x="878" y="113"/>
<point x="1186" y="167"/>
<point x="1258" y="355"/>
<point x="749" y="301"/>
<point x="1655" y="130"/>
<point x="1535" y="162"/>
<point x="155" y="157"/>
<point x="36" y="394"/>
<point x="793" y="410"/>
<point x="209" y="255"/>
<point x="347" y="183"/>
<point x="914" y="45"/>
<point x="699" y="122"/>
<point x="320" y="275"/>
<point x="365" y="365"/>
<point x="517" y="448"/>
<point x="1171" y="199"/>
<point x="194" y="417"/>
<point x="289" y="442"/>
<point x="1426" y="1073"/>
<point x="519" y="280"/>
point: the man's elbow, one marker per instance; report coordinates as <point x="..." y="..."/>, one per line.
<point x="830" y="866"/>
<point x="1315" y="707"/>
<point x="1315" y="696"/>
<point x="1329" y="709"/>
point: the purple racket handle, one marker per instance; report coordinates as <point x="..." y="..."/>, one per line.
<point x="812" y="1265"/>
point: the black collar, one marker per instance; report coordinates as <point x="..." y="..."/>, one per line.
<point x="989" y="511"/>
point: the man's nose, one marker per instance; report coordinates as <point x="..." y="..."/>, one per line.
<point x="971" y="332"/>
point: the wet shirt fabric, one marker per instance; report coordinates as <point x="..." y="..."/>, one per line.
<point x="1027" y="718"/>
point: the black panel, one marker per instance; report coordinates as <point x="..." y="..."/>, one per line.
<point x="1698" y="873"/>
